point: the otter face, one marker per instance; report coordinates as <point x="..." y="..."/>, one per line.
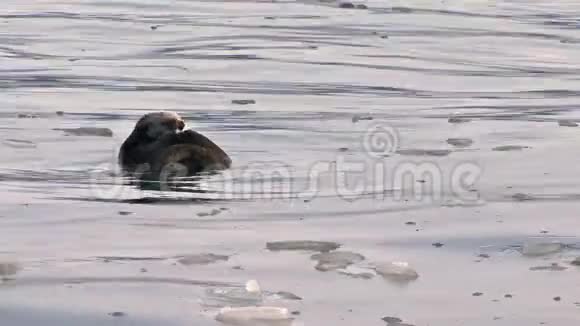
<point x="155" y="125"/>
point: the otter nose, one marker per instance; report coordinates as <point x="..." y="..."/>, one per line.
<point x="180" y="124"/>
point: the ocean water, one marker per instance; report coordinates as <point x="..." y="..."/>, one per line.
<point x="441" y="134"/>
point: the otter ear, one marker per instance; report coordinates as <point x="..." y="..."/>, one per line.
<point x="180" y="124"/>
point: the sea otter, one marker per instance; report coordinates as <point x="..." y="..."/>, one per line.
<point x="159" y="144"/>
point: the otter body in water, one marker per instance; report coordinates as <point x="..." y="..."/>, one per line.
<point x="159" y="144"/>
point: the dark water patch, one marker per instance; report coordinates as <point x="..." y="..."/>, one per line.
<point x="424" y="152"/>
<point x="567" y="123"/>
<point x="202" y="259"/>
<point x="460" y="142"/>
<point x="117" y="314"/>
<point x="8" y="270"/>
<point x="307" y="245"/>
<point x="509" y="148"/>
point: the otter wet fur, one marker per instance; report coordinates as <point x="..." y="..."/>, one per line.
<point x="159" y="146"/>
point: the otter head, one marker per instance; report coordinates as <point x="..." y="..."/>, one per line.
<point x="154" y="125"/>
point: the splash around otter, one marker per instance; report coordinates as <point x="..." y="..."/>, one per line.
<point x="159" y="147"/>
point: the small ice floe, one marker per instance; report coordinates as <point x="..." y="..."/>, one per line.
<point x="540" y="247"/>
<point x="552" y="268"/>
<point x="460" y="142"/>
<point x="284" y="295"/>
<point x="522" y="197"/>
<point x="331" y="261"/>
<point x="201" y="259"/>
<point x="394" y="321"/>
<point x="567" y="123"/>
<point x="252" y="286"/>
<point x="87" y="131"/>
<point x="357" y="273"/>
<point x="424" y="152"/>
<point x="255" y="316"/>
<point x="357" y="117"/>
<point x="244" y="102"/>
<point x="307" y="245"/>
<point x="117" y="314"/>
<point x="508" y="148"/>
<point x="249" y="295"/>
<point x="458" y="120"/>
<point x="8" y="270"/>
<point x="26" y="116"/>
<point x="213" y="212"/>
<point x="396" y="271"/>
<point x="108" y="259"/>
<point x="346" y="5"/>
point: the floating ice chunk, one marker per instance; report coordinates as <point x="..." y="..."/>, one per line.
<point x="396" y="271"/>
<point x="252" y="286"/>
<point x="507" y="148"/>
<point x="423" y="152"/>
<point x="285" y="296"/>
<point x="460" y="142"/>
<point x="357" y="272"/>
<point x="251" y="294"/>
<point x="330" y="261"/>
<point x="202" y="259"/>
<point x="541" y="248"/>
<point x="254" y="316"/>
<point x="8" y="270"/>
<point x="554" y="268"/>
<point x="567" y="123"/>
<point x="307" y="245"/>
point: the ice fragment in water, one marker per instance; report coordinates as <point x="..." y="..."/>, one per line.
<point x="567" y="123"/>
<point x="396" y="271"/>
<point x="460" y="142"/>
<point x="255" y="316"/>
<point x="541" y="248"/>
<point x="252" y="286"/>
<point x="336" y="260"/>
<point x="507" y="148"/>
<point x="321" y="246"/>
<point x="202" y="259"/>
<point x="423" y="152"/>
<point x="8" y="269"/>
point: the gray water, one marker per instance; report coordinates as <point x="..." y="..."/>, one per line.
<point x="482" y="96"/>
